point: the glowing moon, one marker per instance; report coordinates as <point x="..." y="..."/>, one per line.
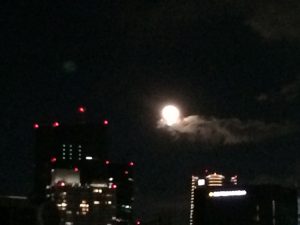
<point x="170" y="115"/>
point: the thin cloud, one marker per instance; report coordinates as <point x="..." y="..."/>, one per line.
<point x="288" y="92"/>
<point x="226" y="131"/>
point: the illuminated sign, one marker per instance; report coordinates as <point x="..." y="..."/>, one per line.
<point x="215" y="194"/>
<point x="201" y="182"/>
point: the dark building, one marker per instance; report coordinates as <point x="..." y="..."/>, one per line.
<point x="243" y="205"/>
<point x="78" y="146"/>
<point x="11" y="209"/>
<point x="122" y="176"/>
<point x="73" y="171"/>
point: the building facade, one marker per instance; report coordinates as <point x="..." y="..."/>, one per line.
<point x="233" y="204"/>
<point x="73" y="171"/>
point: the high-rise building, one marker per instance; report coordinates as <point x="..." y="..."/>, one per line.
<point x="233" y="204"/>
<point x="73" y="171"/>
<point x="69" y="147"/>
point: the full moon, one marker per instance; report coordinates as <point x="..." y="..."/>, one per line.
<point x="170" y="115"/>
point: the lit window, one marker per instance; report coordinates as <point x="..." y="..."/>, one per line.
<point x="227" y="193"/>
<point x="96" y="202"/>
<point x="97" y="190"/>
<point x="88" y="157"/>
<point x="111" y="179"/>
<point x="109" y="202"/>
<point x="201" y="182"/>
<point x="68" y="223"/>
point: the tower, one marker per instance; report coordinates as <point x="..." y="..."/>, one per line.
<point x="73" y="171"/>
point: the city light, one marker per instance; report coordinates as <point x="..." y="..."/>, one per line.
<point x="131" y="163"/>
<point x="201" y="182"/>
<point x="88" y="157"/>
<point x="36" y="126"/>
<point x="107" y="162"/>
<point x="81" y="109"/>
<point x="53" y="159"/>
<point x="55" y="124"/>
<point x="105" y="122"/>
<point x="215" y="194"/>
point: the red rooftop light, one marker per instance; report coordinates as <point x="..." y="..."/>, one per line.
<point x="55" y="124"/>
<point x="53" y="159"/>
<point x="105" y="122"/>
<point x="131" y="163"/>
<point x="114" y="186"/>
<point x="76" y="169"/>
<point x="81" y="109"/>
<point x="107" y="162"/>
<point x="36" y="126"/>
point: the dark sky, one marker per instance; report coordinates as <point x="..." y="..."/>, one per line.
<point x="125" y="59"/>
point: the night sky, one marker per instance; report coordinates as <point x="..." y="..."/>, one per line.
<point x="123" y="60"/>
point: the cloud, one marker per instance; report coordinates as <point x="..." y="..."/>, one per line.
<point x="226" y="131"/>
<point x="271" y="19"/>
<point x="288" y="92"/>
<point x="276" y="19"/>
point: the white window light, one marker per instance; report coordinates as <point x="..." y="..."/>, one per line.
<point x="88" y="157"/>
<point x="201" y="182"/>
<point x="215" y="194"/>
<point x="96" y="202"/>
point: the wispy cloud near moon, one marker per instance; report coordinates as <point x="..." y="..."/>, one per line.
<point x="226" y="131"/>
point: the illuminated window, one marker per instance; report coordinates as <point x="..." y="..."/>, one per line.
<point x="216" y="194"/>
<point x="84" y="207"/>
<point x="97" y="190"/>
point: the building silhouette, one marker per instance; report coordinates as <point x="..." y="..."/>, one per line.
<point x="217" y="202"/>
<point x="73" y="171"/>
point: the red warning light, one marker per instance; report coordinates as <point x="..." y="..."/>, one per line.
<point x="61" y="184"/>
<point x="107" y="162"/>
<point x="36" y="126"/>
<point x="113" y="186"/>
<point x="76" y="169"/>
<point x="53" y="159"/>
<point x="138" y="222"/>
<point x="105" y="122"/>
<point x="55" y="124"/>
<point x="81" y="109"/>
<point x="131" y="164"/>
